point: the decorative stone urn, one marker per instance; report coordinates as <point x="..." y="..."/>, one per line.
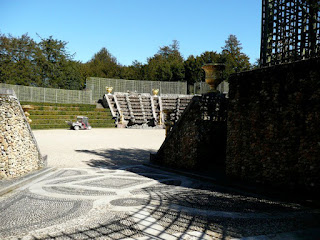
<point x="109" y="90"/>
<point x="26" y="108"/>
<point x="213" y="73"/>
<point x="155" y="92"/>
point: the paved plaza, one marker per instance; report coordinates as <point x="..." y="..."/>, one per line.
<point x="98" y="188"/>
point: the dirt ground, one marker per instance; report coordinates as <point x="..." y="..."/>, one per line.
<point x="98" y="147"/>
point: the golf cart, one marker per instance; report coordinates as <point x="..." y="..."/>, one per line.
<point x="81" y="123"/>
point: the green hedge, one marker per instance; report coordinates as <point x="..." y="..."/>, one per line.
<point x="68" y="117"/>
<point x="60" y="126"/>
<point x="63" y="121"/>
<point x="50" y="116"/>
<point x="47" y="126"/>
<point x="54" y="108"/>
<point x="58" y="104"/>
<point x="76" y="113"/>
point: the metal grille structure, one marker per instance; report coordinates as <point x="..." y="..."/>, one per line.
<point x="98" y="86"/>
<point x="52" y="95"/>
<point x="290" y="31"/>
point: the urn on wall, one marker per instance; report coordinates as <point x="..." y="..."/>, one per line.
<point x="155" y="92"/>
<point x="213" y="72"/>
<point x="109" y="90"/>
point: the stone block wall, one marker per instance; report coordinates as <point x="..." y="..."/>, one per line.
<point x="274" y="126"/>
<point x="19" y="153"/>
<point x="197" y="141"/>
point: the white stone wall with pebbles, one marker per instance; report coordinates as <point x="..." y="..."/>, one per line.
<point x="19" y="153"/>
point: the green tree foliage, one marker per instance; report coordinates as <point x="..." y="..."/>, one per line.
<point x="43" y="64"/>
<point x="193" y="71"/>
<point x="18" y="58"/>
<point x="167" y="64"/>
<point x="49" y="64"/>
<point x="58" y="70"/>
<point x="103" y="64"/>
<point x="233" y="57"/>
<point x="136" y="71"/>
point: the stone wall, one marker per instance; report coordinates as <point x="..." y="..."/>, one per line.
<point x="197" y="141"/>
<point x="274" y="126"/>
<point x="19" y="153"/>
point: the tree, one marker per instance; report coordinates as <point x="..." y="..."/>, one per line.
<point x="51" y="59"/>
<point x="43" y="64"/>
<point x="58" y="69"/>
<point x="192" y="67"/>
<point x="103" y="64"/>
<point x="233" y="57"/>
<point x="135" y="71"/>
<point x="18" y="60"/>
<point x="167" y="64"/>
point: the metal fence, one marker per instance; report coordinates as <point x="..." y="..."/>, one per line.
<point x="98" y="86"/>
<point x="52" y="95"/>
<point x="202" y="87"/>
<point x="96" y="89"/>
<point x="6" y="91"/>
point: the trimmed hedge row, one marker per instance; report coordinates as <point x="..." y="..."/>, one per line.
<point x="60" y="126"/>
<point x="75" y="113"/>
<point x="63" y="121"/>
<point x="49" y="116"/>
<point x="62" y="108"/>
<point x="58" y="104"/>
<point x="68" y="117"/>
<point x="53" y="108"/>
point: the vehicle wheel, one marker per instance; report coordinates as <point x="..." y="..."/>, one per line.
<point x="76" y="128"/>
<point x="89" y="127"/>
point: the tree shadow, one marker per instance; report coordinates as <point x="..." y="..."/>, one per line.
<point x="118" y="157"/>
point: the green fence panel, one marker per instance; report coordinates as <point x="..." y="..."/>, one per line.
<point x="50" y="95"/>
<point x="98" y="85"/>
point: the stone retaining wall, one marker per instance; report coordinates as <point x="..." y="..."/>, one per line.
<point x="274" y="126"/>
<point x="197" y="141"/>
<point x="19" y="153"/>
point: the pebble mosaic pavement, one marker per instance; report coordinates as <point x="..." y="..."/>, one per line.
<point x="138" y="202"/>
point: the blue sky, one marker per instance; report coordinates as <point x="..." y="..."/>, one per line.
<point x="135" y="29"/>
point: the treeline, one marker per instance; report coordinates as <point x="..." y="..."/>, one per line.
<point x="47" y="63"/>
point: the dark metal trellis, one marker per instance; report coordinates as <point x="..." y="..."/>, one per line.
<point x="290" y="31"/>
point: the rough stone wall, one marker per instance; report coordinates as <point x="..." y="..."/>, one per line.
<point x="198" y="140"/>
<point x="274" y="126"/>
<point x="19" y="153"/>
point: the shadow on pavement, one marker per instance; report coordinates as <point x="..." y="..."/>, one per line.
<point x="170" y="211"/>
<point x="118" y="157"/>
<point x="158" y="209"/>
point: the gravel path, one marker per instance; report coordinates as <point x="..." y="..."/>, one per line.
<point x="98" y="147"/>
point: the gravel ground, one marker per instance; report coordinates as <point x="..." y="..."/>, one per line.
<point x="98" y="147"/>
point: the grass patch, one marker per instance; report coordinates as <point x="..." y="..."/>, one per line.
<point x="55" y="115"/>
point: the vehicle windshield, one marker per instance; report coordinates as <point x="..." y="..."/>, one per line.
<point x="82" y="120"/>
